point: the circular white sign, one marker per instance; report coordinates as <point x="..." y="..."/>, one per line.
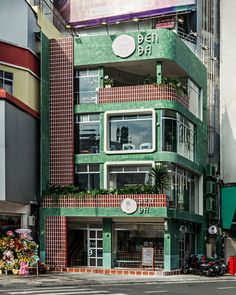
<point x="123" y="46"/>
<point x="212" y="230"/>
<point x="129" y="206"/>
<point x="183" y="228"/>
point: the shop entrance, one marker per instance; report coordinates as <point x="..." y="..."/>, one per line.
<point x="185" y="247"/>
<point x="129" y="239"/>
<point x="95" y="247"/>
<point x="85" y="244"/>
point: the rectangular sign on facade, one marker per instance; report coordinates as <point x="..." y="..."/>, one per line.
<point x="92" y="12"/>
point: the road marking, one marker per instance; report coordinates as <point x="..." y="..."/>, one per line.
<point x="223" y="288"/>
<point x="78" y="291"/>
<point x="49" y="289"/>
<point x="46" y="290"/>
<point x="152" y="292"/>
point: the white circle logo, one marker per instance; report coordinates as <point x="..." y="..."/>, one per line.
<point x="123" y="46"/>
<point x="129" y="206"/>
<point x="212" y="230"/>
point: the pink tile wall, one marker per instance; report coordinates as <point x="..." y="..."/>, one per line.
<point x="56" y="240"/>
<point x="141" y="93"/>
<point x="61" y="112"/>
<point x="105" y="201"/>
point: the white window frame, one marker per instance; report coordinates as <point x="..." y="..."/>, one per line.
<point x="123" y="163"/>
<point x="109" y="114"/>
<point x="9" y="80"/>
<point x="86" y="75"/>
<point x="199" y="112"/>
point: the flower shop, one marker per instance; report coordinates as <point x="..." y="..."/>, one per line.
<point x="18" y="253"/>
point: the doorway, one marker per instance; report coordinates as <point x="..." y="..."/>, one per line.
<point x="95" y="247"/>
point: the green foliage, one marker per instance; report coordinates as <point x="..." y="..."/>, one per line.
<point x="175" y="83"/>
<point x="159" y="179"/>
<point x="108" y="81"/>
<point x="149" y="79"/>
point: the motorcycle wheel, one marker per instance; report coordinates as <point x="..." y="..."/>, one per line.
<point x="209" y="272"/>
<point x="185" y="270"/>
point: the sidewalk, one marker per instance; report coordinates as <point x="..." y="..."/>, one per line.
<point x="66" y="279"/>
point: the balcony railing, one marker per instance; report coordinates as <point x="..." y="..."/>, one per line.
<point x="142" y="93"/>
<point x="104" y="201"/>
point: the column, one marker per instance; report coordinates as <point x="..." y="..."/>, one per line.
<point x="171" y="246"/>
<point x="159" y="72"/>
<point x="56" y="240"/>
<point x="107" y="242"/>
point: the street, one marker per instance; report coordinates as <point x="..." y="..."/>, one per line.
<point x="193" y="288"/>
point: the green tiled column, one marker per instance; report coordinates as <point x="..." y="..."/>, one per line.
<point x="171" y="247"/>
<point x="159" y="72"/>
<point x="107" y="242"/>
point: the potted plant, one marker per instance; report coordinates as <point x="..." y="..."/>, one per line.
<point x="108" y="82"/>
<point x="159" y="178"/>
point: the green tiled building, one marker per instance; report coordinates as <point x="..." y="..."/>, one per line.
<point x="95" y="137"/>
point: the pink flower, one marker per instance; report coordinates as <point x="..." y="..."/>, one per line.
<point x="9" y="233"/>
<point x="23" y="236"/>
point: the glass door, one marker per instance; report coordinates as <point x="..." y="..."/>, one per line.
<point x="95" y="247"/>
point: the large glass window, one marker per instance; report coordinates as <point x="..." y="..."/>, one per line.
<point x="86" y="86"/>
<point x="87" y="176"/>
<point x="185" y="138"/>
<point x="121" y="176"/>
<point x="87" y="134"/>
<point x="131" y="131"/>
<point x="169" y="130"/>
<point x="183" y="194"/>
<point x="195" y="99"/>
<point x="6" y="81"/>
<point x="177" y="134"/>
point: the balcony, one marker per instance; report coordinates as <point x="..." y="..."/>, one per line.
<point x="142" y="93"/>
<point x="105" y="201"/>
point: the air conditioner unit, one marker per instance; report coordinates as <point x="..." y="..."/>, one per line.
<point x="211" y="170"/>
<point x="31" y="220"/>
<point x="210" y="187"/>
<point x="210" y="204"/>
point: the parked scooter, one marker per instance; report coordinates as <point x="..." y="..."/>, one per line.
<point x="194" y="265"/>
<point x="219" y="267"/>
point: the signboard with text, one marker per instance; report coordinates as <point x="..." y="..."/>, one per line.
<point x="92" y="12"/>
<point x="148" y="257"/>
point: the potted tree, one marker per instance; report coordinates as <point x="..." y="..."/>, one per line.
<point x="108" y="82"/>
<point x="159" y="178"/>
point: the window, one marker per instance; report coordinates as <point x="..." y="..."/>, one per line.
<point x="195" y="99"/>
<point x="87" y="176"/>
<point x="177" y="134"/>
<point x="183" y="194"/>
<point x="185" y="138"/>
<point x="169" y="130"/>
<point x="86" y="86"/>
<point x="87" y="134"/>
<point x="130" y="132"/>
<point x="125" y="175"/>
<point x="6" y="81"/>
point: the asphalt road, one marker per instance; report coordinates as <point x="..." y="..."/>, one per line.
<point x="193" y="288"/>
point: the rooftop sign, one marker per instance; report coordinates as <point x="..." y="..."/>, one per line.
<point x="92" y="12"/>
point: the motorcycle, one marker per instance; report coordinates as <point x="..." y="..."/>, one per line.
<point x="194" y="265"/>
<point x="219" y="268"/>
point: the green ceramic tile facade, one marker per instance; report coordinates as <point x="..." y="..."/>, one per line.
<point x="171" y="245"/>
<point x="201" y="146"/>
<point x="44" y="113"/>
<point x="99" y="212"/>
<point x="97" y="51"/>
<point x="228" y="206"/>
